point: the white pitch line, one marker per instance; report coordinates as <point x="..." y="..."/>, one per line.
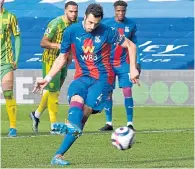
<point x="104" y="133"/>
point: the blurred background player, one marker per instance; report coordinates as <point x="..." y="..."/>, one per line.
<point x="9" y="62"/>
<point x="120" y="63"/>
<point x="51" y="42"/>
<point x="94" y="75"/>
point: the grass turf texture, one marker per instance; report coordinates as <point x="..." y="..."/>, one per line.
<point x="164" y="138"/>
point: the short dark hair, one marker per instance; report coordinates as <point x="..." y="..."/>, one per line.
<point x="120" y="3"/>
<point x="70" y="3"/>
<point x="95" y="9"/>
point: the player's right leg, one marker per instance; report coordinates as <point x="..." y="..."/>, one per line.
<point x="108" y="111"/>
<point x="81" y="91"/>
<point x="77" y="93"/>
<point x="54" y="88"/>
<point x="35" y="115"/>
<point x="7" y="81"/>
<point x="126" y="85"/>
<point x="62" y="79"/>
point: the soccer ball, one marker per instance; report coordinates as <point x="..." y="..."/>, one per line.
<point x="123" y="138"/>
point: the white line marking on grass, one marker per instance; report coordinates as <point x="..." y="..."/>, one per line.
<point x="165" y="131"/>
<point x="104" y="133"/>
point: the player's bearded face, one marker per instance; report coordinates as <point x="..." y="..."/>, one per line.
<point x="71" y="13"/>
<point x="91" y="22"/>
<point x="120" y="12"/>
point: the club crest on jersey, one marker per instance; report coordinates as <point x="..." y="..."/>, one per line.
<point x="48" y="31"/>
<point x="51" y="85"/>
<point x="126" y="29"/>
<point x="97" y="39"/>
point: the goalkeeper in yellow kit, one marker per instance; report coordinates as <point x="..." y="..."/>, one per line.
<point x="51" y="42"/>
<point x="9" y="62"/>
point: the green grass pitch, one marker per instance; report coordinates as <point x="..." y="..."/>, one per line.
<point x="164" y="139"/>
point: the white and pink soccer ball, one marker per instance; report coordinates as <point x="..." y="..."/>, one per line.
<point x="123" y="138"/>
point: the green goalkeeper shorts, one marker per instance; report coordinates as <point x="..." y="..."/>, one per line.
<point x="55" y="84"/>
<point x="5" y="69"/>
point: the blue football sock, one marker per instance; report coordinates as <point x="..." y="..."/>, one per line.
<point x="75" y="117"/>
<point x="108" y="110"/>
<point x="68" y="140"/>
<point x="129" y="108"/>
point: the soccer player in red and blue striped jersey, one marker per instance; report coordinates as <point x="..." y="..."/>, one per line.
<point x="120" y="62"/>
<point x="90" y="44"/>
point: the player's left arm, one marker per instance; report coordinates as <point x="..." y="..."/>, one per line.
<point x="16" y="33"/>
<point x="133" y="38"/>
<point x="134" y="74"/>
<point x="49" y="34"/>
<point x="131" y="50"/>
<point x="115" y="38"/>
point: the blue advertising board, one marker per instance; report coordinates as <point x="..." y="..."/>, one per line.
<point x="165" y="32"/>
